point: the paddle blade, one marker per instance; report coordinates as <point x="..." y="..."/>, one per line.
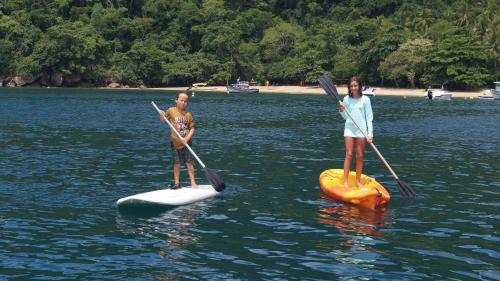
<point x="405" y="189"/>
<point x="215" y="180"/>
<point x="327" y="85"/>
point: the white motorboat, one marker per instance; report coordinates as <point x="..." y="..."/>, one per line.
<point x="367" y="91"/>
<point x="496" y="92"/>
<point x="437" y="92"/>
<point x="242" y="87"/>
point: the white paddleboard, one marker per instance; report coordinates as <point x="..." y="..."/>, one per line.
<point x="169" y="197"/>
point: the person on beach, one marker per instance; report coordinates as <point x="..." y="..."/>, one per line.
<point x="360" y="109"/>
<point x="184" y="124"/>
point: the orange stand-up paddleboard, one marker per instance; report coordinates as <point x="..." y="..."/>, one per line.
<point x="371" y="195"/>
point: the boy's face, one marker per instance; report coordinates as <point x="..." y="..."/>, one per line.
<point x="182" y="101"/>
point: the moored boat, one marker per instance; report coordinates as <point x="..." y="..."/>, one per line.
<point x="496" y="91"/>
<point x="371" y="195"/>
<point x="437" y="92"/>
<point x="242" y="87"/>
<point x="367" y="91"/>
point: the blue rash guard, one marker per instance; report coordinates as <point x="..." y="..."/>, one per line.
<point x="361" y="111"/>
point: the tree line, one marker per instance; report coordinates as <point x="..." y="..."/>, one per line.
<point x="403" y="43"/>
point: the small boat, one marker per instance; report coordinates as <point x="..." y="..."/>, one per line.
<point x="367" y="91"/>
<point x="437" y="92"/>
<point x="371" y="195"/>
<point x="496" y="92"/>
<point x="242" y="87"/>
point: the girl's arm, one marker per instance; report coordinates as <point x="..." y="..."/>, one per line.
<point x="342" y="106"/>
<point x="369" y="117"/>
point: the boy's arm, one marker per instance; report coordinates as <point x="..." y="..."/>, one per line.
<point x="191" y="127"/>
<point x="164" y="114"/>
<point x="188" y="137"/>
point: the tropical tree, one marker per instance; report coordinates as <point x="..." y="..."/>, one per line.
<point x="69" y="48"/>
<point x="386" y="40"/>
<point x="407" y="62"/>
<point x="6" y="57"/>
<point x="459" y="61"/>
<point x="279" y="40"/>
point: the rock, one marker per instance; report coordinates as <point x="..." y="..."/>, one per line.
<point x="72" y="80"/>
<point x="56" y="79"/>
<point x="23" y="81"/>
<point x="114" y="85"/>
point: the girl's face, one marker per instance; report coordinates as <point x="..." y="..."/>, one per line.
<point x="355" y="88"/>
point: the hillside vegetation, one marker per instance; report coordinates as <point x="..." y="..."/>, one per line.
<point x="400" y="43"/>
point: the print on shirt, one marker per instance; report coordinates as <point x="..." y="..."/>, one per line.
<point x="182" y="123"/>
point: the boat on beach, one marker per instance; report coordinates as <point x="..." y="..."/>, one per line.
<point x="437" y="92"/>
<point x="243" y="87"/>
<point x="201" y="87"/>
<point x="496" y="91"/>
<point x="196" y="85"/>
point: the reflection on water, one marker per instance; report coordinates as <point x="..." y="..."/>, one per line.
<point x="173" y="229"/>
<point x="174" y="226"/>
<point x="352" y="220"/>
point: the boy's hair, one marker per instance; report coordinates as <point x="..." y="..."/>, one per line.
<point x="354" y="78"/>
<point x="180" y="93"/>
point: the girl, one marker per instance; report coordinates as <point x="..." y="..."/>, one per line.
<point x="360" y="109"/>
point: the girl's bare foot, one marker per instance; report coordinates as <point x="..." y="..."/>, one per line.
<point x="194" y="185"/>
<point x="358" y="184"/>
<point x="346" y="184"/>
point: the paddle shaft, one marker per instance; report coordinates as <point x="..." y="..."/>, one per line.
<point x="373" y="145"/>
<point x="179" y="135"/>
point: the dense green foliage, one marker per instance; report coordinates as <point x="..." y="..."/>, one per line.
<point x="178" y="42"/>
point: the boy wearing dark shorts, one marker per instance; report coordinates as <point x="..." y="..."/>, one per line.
<point x="184" y="124"/>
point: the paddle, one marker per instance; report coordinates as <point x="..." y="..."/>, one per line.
<point x="211" y="175"/>
<point x="327" y="84"/>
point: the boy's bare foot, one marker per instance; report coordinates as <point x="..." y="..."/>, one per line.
<point x="358" y="184"/>
<point x="346" y="184"/>
<point x="176" y="186"/>
<point x="194" y="185"/>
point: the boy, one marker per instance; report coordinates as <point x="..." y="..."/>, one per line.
<point x="184" y="124"/>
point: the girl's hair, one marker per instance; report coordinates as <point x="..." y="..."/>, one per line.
<point x="354" y="79"/>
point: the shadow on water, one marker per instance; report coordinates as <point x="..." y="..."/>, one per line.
<point x="143" y="211"/>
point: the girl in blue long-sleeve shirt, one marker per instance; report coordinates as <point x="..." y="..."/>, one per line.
<point x="360" y="109"/>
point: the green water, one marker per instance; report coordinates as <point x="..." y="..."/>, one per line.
<point x="66" y="156"/>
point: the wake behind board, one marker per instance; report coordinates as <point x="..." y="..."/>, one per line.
<point x="169" y="197"/>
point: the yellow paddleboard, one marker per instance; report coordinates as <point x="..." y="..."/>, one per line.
<point x="371" y="195"/>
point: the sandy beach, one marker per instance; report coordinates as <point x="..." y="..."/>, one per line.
<point x="316" y="90"/>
